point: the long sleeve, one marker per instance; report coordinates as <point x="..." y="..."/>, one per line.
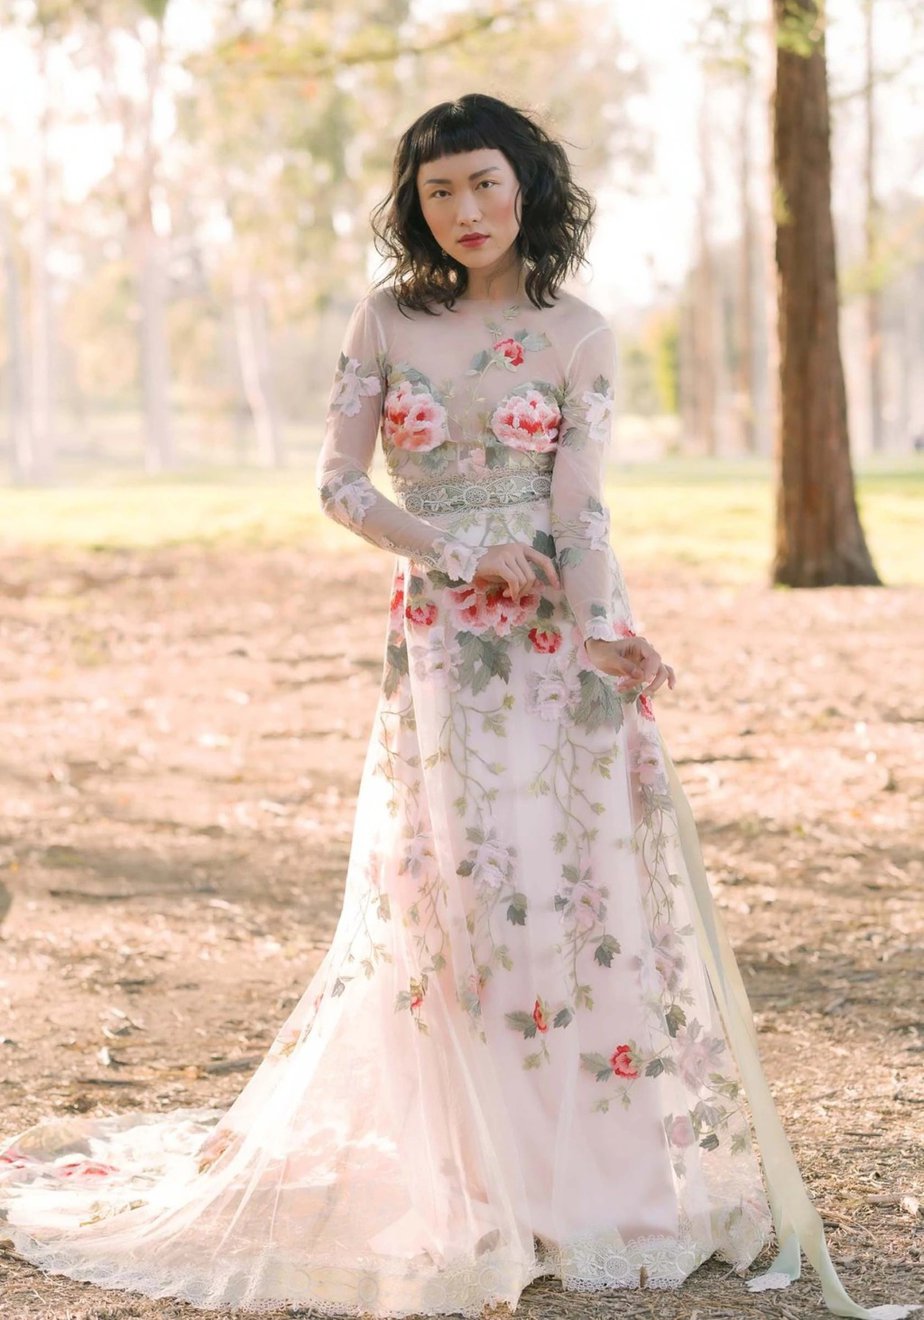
<point x="347" y="495"/>
<point x="580" y="518"/>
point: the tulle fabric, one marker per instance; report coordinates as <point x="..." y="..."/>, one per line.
<point x="396" y="1157"/>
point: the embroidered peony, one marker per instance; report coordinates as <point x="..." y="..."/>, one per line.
<point x="349" y="499"/>
<point x="680" y="1133"/>
<point x="645" y="706"/>
<point x="545" y="640"/>
<point x="424" y="614"/>
<point x="527" y="422"/>
<point x="438" y="661"/>
<point x="350" y="388"/>
<point x="480" y="610"/>
<point x="414" y="420"/>
<point x="621" y="1062"/>
<point x="492" y="864"/>
<point x="589" y="905"/>
<point x="596" y="527"/>
<point x="511" y="350"/>
<point x="599" y="412"/>
<point x="554" y="693"/>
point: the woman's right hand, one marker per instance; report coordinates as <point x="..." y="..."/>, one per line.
<point x="515" y="563"/>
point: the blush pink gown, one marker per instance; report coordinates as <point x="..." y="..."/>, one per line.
<point x="528" y="1050"/>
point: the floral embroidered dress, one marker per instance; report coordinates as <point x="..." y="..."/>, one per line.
<point x="523" y="1053"/>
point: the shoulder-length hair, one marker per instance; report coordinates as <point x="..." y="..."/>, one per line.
<point x="556" y="213"/>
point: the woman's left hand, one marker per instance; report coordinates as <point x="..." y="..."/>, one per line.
<point x="611" y="658"/>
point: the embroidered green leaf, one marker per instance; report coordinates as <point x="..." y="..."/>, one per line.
<point x="516" y="912"/>
<point x="534" y="342"/>
<point x="533" y="1060"/>
<point x="675" y="1018"/>
<point x="598" y="1064"/>
<point x="479" y="362"/>
<point x="521" y="1022"/>
<point x="599" y="705"/>
<point x="603" y="954"/>
<point x="562" y="1017"/>
<point x="544" y="543"/>
<point x="655" y="1068"/>
<point x="710" y="1142"/>
<point x="545" y="609"/>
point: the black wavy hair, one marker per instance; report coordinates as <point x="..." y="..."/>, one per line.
<point x="556" y="214"/>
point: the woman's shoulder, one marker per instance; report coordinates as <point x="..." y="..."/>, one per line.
<point x="581" y="316"/>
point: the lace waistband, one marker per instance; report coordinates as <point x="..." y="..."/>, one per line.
<point x="463" y="492"/>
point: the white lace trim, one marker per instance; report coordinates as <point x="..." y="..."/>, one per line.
<point x="419" y="1287"/>
<point x="464" y="492"/>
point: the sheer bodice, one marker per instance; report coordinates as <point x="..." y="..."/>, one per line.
<point x="487" y="395"/>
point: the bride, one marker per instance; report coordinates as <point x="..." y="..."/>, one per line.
<point x="528" y="1050"/>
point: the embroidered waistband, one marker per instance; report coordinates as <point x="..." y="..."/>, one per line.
<point x="463" y="492"/>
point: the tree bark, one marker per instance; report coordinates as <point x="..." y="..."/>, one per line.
<point x="819" y="539"/>
<point x="253" y="360"/>
<point x="872" y="220"/>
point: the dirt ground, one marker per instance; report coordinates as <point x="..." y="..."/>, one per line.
<point x="183" y="733"/>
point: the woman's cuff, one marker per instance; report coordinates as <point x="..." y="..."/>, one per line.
<point x="601" y="628"/>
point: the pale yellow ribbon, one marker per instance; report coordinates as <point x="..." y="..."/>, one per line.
<point x="795" y="1218"/>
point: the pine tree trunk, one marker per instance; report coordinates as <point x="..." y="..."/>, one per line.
<point x="819" y="539"/>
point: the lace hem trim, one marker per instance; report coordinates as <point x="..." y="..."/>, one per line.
<point x="463" y="492"/>
<point x="423" y="1287"/>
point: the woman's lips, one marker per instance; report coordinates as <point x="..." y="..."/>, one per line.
<point x="475" y="240"/>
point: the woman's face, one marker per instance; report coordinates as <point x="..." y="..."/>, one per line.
<point x="469" y="193"/>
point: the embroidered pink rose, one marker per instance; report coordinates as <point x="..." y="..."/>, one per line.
<point x="645" y="706"/>
<point x="424" y="614"/>
<point x="512" y="350"/>
<point x="589" y="905"/>
<point x="414" y="420"/>
<point x="527" y="422"/>
<point x="481" y="610"/>
<point x="680" y="1132"/>
<point x="15" y="1158"/>
<point x="84" y="1169"/>
<point x="621" y="1062"/>
<point x="397" y="603"/>
<point x="545" y="640"/>
<point x="539" y="1016"/>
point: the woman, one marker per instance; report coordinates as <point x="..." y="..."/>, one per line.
<point x="521" y="1054"/>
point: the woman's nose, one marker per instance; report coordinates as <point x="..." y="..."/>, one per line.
<point x="469" y="208"/>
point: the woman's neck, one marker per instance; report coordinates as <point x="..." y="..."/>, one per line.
<point x="504" y="286"/>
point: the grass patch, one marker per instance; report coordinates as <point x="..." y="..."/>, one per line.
<point x="716" y="516"/>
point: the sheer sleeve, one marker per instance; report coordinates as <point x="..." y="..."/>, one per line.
<point x="580" y="518"/>
<point x="346" y="493"/>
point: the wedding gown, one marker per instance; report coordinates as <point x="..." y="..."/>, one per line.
<point x="528" y="1049"/>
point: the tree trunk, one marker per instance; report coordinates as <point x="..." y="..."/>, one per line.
<point x="42" y="450"/>
<point x="20" y="414"/>
<point x="745" y="373"/>
<point x="253" y="360"/>
<point x="151" y="283"/>
<point x="819" y="539"/>
<point x="706" y="344"/>
<point x="872" y="219"/>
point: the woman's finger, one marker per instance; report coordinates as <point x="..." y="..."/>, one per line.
<point x="545" y="563"/>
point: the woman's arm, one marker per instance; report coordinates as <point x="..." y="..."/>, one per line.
<point x="580" y="518"/>
<point x="352" y="424"/>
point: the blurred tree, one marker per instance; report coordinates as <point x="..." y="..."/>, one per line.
<point x="819" y="539"/>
